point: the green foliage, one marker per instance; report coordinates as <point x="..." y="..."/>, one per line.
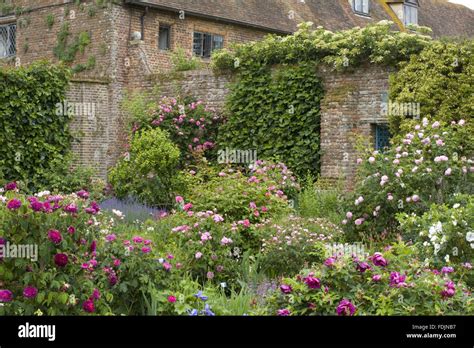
<point x="181" y="62"/>
<point x="34" y="138"/>
<point x="50" y="20"/>
<point x="405" y="287"/>
<point x="149" y="171"/>
<point x="66" y="52"/>
<point x="319" y="200"/>
<point x="292" y="243"/>
<point x="444" y="232"/>
<point x="276" y="112"/>
<point x="440" y="78"/>
<point x="342" y="50"/>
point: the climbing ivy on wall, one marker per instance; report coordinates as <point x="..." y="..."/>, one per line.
<point x="274" y="106"/>
<point x="276" y="112"/>
<point x="33" y="135"/>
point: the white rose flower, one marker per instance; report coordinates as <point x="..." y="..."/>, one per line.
<point x="470" y="237"/>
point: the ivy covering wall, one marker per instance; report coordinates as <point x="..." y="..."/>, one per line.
<point x="34" y="138"/>
<point x="274" y="105"/>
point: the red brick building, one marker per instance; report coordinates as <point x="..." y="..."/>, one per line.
<point x="123" y="45"/>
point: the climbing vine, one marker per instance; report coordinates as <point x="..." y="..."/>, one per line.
<point x="274" y="104"/>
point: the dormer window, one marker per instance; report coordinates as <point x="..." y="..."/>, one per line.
<point x="361" y="7"/>
<point x="410" y="12"/>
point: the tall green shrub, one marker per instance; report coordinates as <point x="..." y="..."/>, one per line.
<point x="33" y="135"/>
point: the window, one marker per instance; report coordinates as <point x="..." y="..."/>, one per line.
<point x="7" y="40"/>
<point x="410" y="14"/>
<point x="164" y="37"/>
<point x="204" y="44"/>
<point x="361" y="7"/>
<point x="382" y="136"/>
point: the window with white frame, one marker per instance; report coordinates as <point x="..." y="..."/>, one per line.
<point x="7" y="40"/>
<point x="410" y="13"/>
<point x="361" y="7"/>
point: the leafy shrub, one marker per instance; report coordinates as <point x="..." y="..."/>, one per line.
<point x="425" y="78"/>
<point x="429" y="165"/>
<point x="149" y="171"/>
<point x="291" y="243"/>
<point x="320" y="201"/>
<point x="394" y="282"/>
<point x="445" y="233"/>
<point x="82" y="266"/>
<point x="181" y="62"/>
<point x="239" y="196"/>
<point x="34" y="138"/>
<point x="191" y="124"/>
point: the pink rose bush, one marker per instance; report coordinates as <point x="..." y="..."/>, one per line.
<point x="429" y="164"/>
<point x="79" y="266"/>
<point x="395" y="282"/>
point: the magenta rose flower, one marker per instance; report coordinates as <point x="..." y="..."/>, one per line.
<point x="378" y="260"/>
<point x="345" y="308"/>
<point x="60" y="260"/>
<point x="96" y="294"/>
<point x="55" y="236"/>
<point x="88" y="306"/>
<point x="283" y="312"/>
<point x="71" y="230"/>
<point x="113" y="280"/>
<point x="312" y="282"/>
<point x="71" y="208"/>
<point x="30" y="292"/>
<point x="171" y="299"/>
<point x="286" y="289"/>
<point x="362" y="266"/>
<point x="14" y="204"/>
<point x="36" y="206"/>
<point x="83" y="194"/>
<point x="329" y="262"/>
<point x="11" y="186"/>
<point x="397" y="280"/>
<point x="6" y="296"/>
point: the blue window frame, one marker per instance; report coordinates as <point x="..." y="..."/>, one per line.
<point x="382" y="136"/>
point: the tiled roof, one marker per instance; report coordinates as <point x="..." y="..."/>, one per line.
<point x="446" y="19"/>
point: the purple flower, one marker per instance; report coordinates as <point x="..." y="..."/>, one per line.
<point x="55" y="236"/>
<point x="378" y="260"/>
<point x="167" y="266"/>
<point x="397" y="280"/>
<point x="146" y="250"/>
<point x="83" y="194"/>
<point x="110" y="237"/>
<point x="93" y="246"/>
<point x="446" y="270"/>
<point x="210" y="275"/>
<point x="6" y="296"/>
<point x="345" y="308"/>
<point x="450" y="289"/>
<point x="313" y="283"/>
<point x="11" y="186"/>
<point x="88" y="306"/>
<point x="283" y="312"/>
<point x="376" y="278"/>
<point x="286" y="289"/>
<point x="137" y="239"/>
<point x="60" y="260"/>
<point x="71" y="208"/>
<point x="30" y="292"/>
<point x="96" y="294"/>
<point x="113" y="280"/>
<point x="329" y="262"/>
<point x="14" y="204"/>
<point x="36" y="205"/>
<point x="200" y="296"/>
<point x="207" y="311"/>
<point x="362" y="266"/>
<point x="466" y="265"/>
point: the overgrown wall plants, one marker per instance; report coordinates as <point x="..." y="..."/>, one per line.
<point x="274" y="105"/>
<point x="425" y="79"/>
<point x="34" y="137"/>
